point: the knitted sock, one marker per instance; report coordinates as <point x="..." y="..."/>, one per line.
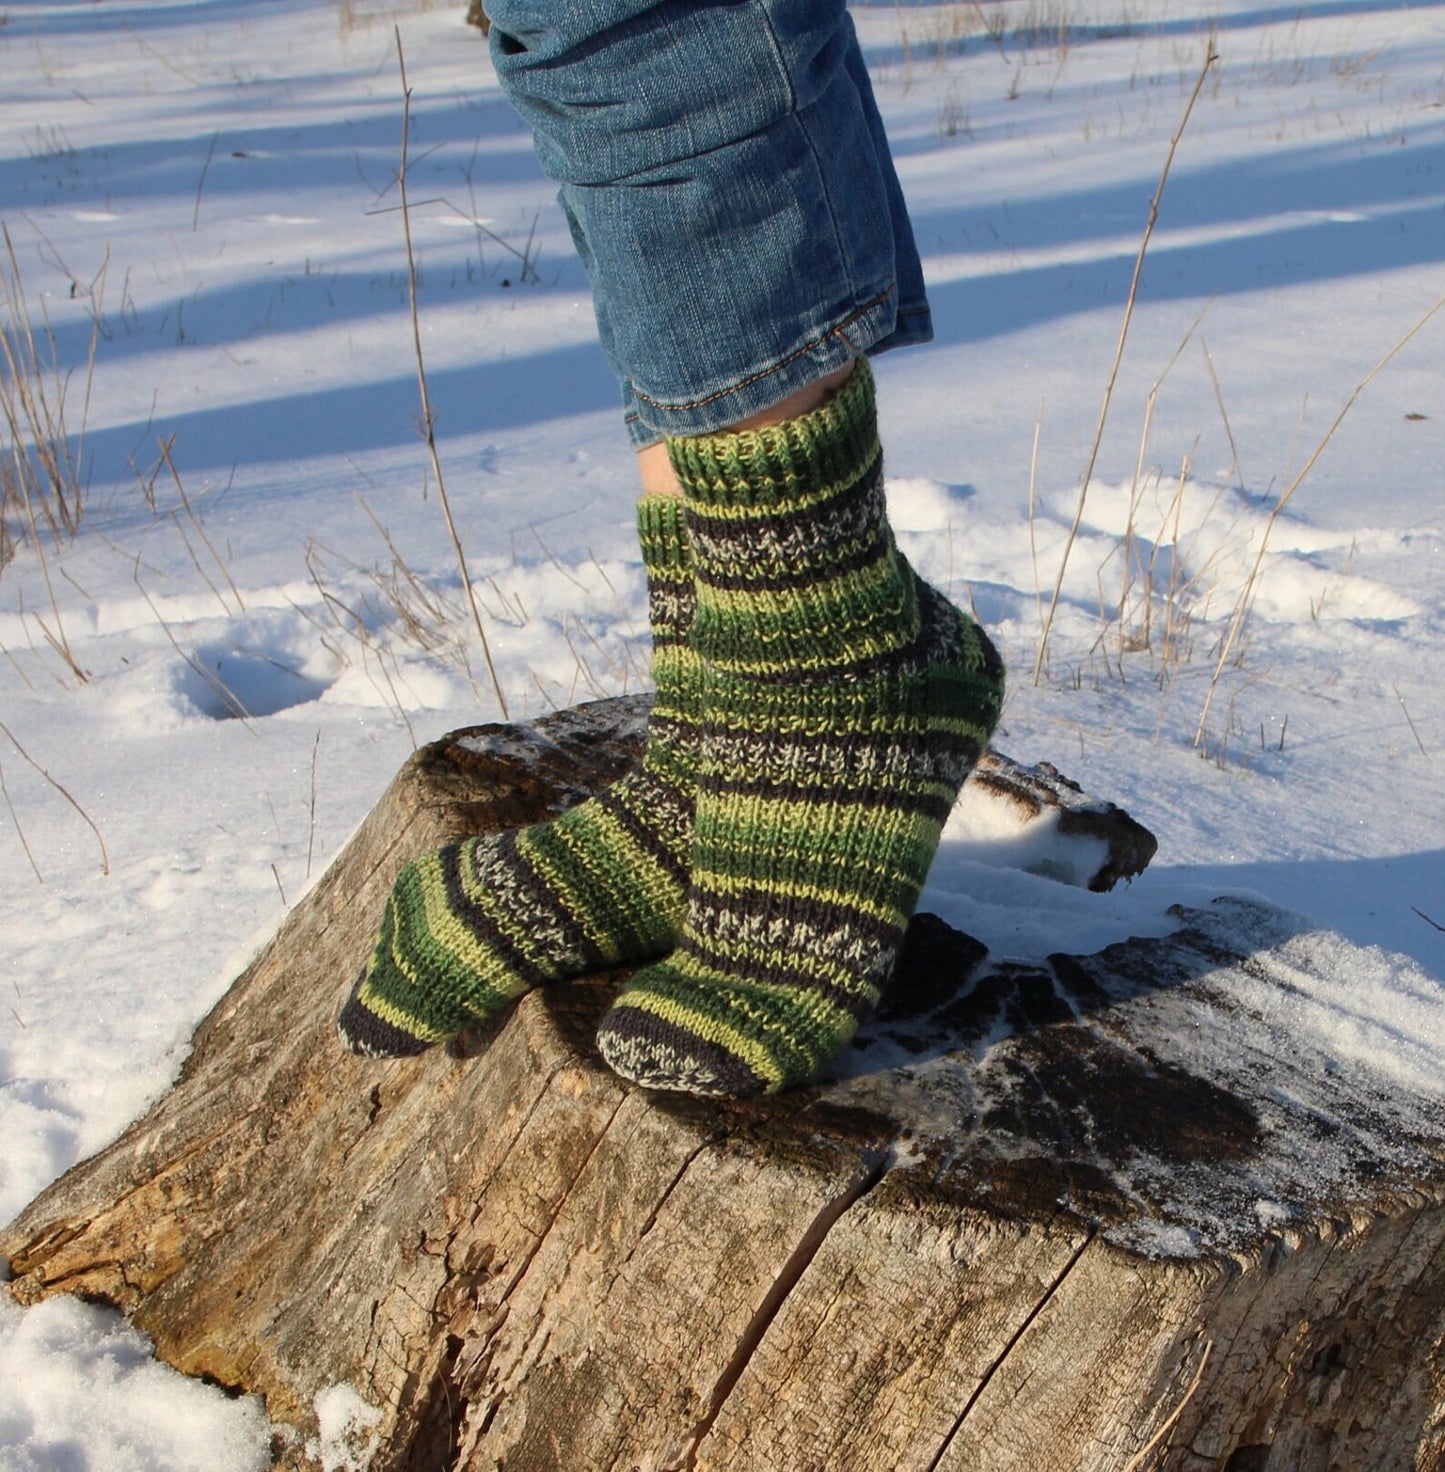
<point x="845" y="703"/>
<point x="471" y="927"/>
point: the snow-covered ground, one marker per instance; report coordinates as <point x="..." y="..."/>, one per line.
<point x="206" y="192"/>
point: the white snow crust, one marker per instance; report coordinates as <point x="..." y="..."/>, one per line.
<point x="347" y="1438"/>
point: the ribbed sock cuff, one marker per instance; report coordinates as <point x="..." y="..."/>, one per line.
<point x="784" y="465"/>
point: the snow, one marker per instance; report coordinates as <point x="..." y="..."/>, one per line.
<point x="215" y="186"/>
<point x="79" y="1390"/>
<point x="347" y="1439"/>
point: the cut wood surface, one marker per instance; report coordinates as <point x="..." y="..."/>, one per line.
<point x="1107" y="1212"/>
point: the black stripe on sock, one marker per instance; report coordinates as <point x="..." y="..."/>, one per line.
<point x="478" y="921"/>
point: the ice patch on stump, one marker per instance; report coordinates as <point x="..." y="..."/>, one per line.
<point x="1248" y="1076"/>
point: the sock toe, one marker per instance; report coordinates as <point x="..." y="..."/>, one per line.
<point x="369" y="1035"/>
<point x="647" y="1049"/>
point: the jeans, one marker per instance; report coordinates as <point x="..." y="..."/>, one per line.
<point x="729" y="188"/>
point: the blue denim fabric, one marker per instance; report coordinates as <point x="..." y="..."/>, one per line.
<point x="729" y="187"/>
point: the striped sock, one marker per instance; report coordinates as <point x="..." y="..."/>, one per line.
<point x="471" y="927"/>
<point x="845" y="703"/>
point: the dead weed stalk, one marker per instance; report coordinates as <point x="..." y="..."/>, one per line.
<point x="1041" y="661"/>
<point x="427" y="419"/>
<point x="42" y="476"/>
<point x="1230" y="645"/>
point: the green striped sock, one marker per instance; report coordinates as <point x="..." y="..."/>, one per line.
<point x="845" y="703"/>
<point x="471" y="927"/>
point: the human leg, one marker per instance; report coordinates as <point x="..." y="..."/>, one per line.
<point x="845" y="703"/>
<point x="469" y="928"/>
<point x="654" y="462"/>
<point x="729" y="190"/>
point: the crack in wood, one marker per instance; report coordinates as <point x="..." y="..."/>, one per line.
<point x="542" y="1235"/>
<point x="1002" y="1357"/>
<point x="467" y="1364"/>
<point x="718" y="1138"/>
<point x="484" y="1186"/>
<point x="789" y="1275"/>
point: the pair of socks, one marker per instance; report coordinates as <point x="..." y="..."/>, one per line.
<point x="818" y="708"/>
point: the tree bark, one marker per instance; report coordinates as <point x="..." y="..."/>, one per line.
<point x="1102" y="1212"/>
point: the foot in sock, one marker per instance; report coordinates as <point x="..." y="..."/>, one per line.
<point x="471" y="927"/>
<point x="845" y="703"/>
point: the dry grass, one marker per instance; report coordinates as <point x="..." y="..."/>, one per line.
<point x="1231" y="645"/>
<point x="1041" y="660"/>
<point x="428" y="421"/>
<point x="42" y="472"/>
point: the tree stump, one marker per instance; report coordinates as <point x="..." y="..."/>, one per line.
<point x="1105" y="1212"/>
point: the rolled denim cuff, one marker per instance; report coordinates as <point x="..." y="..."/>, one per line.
<point x="730" y="191"/>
